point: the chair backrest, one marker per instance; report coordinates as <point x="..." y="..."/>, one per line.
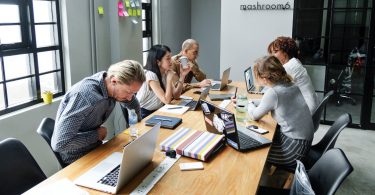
<point x="18" y="169"/>
<point x="45" y="129"/>
<point x="329" y="172"/>
<point x="319" y="110"/>
<point x="329" y="139"/>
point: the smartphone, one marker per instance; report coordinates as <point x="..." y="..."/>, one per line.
<point x="257" y="129"/>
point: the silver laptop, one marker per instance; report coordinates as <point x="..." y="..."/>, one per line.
<point x="249" y="80"/>
<point x="220" y="85"/>
<point x="221" y="121"/>
<point x="192" y="104"/>
<point x="119" y="168"/>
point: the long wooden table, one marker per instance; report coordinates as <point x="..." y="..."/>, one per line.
<point x="228" y="172"/>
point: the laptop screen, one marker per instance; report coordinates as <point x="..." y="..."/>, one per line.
<point x="219" y="121"/>
<point x="249" y="79"/>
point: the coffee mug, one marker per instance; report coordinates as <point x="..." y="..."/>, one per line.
<point x="184" y="61"/>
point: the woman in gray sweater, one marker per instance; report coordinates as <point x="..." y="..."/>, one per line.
<point x="287" y="105"/>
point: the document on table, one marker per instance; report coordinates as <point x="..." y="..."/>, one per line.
<point x="173" y="109"/>
<point x="60" y="187"/>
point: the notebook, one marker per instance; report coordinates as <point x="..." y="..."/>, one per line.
<point x="192" y="104"/>
<point x="125" y="165"/>
<point x="165" y="121"/>
<point x="220" y="85"/>
<point x="221" y="121"/>
<point x="220" y="97"/>
<point x="249" y="80"/>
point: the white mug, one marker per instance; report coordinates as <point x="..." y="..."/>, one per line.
<point x="184" y="61"/>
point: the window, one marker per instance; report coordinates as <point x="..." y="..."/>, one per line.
<point x="30" y="52"/>
<point x="146" y="28"/>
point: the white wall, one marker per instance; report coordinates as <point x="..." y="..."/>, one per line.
<point x="245" y="35"/>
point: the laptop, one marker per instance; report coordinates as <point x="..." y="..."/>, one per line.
<point x="220" y="85"/>
<point x="192" y="104"/>
<point x="249" y="80"/>
<point x="119" y="168"/>
<point x="221" y="121"/>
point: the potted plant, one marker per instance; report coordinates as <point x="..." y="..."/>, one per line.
<point x="47" y="97"/>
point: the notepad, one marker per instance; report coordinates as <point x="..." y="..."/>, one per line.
<point x="174" y="109"/>
<point x="196" y="144"/>
<point x="165" y="121"/>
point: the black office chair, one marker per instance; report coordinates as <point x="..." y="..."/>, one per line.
<point x="18" y="169"/>
<point x="342" y="87"/>
<point x="328" y="141"/>
<point x="325" y="176"/>
<point x="45" y="129"/>
<point x="319" y="110"/>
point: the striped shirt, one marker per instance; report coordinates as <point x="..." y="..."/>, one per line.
<point x="84" y="108"/>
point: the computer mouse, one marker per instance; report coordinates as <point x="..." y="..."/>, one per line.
<point x="197" y="92"/>
<point x="252" y="127"/>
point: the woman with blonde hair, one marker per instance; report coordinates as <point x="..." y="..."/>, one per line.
<point x="284" y="100"/>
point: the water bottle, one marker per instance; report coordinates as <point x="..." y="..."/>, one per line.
<point x="133" y="119"/>
<point x="241" y="108"/>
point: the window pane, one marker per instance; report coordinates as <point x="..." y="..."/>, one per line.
<point x="1" y="70"/>
<point x="46" y="35"/>
<point x="49" y="82"/>
<point x="143" y="14"/>
<point x="146" y="43"/>
<point x="145" y="54"/>
<point x="145" y="1"/>
<point x="2" y="103"/>
<point x="143" y="25"/>
<point x="10" y="34"/>
<point x="17" y="66"/>
<point x="42" y="11"/>
<point x="9" y="14"/>
<point x="20" y="91"/>
<point x="48" y="61"/>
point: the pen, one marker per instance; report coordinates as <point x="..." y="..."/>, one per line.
<point x="235" y="93"/>
<point x="127" y="144"/>
<point x="177" y="107"/>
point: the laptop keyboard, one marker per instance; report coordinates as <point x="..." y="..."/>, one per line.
<point x="111" y="178"/>
<point x="215" y="86"/>
<point x="248" y="142"/>
<point x="189" y="103"/>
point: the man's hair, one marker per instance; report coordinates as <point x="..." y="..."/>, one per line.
<point x="127" y="72"/>
<point x="188" y="43"/>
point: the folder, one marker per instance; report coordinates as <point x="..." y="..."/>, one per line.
<point x="166" y="121"/>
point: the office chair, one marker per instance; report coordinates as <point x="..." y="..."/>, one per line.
<point x="319" y="110"/>
<point x="45" y="129"/>
<point x="18" y="169"/>
<point x="328" y="141"/>
<point x="325" y="176"/>
<point x="342" y="86"/>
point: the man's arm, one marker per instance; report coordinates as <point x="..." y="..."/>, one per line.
<point x="132" y="104"/>
<point x="197" y="72"/>
<point x="66" y="135"/>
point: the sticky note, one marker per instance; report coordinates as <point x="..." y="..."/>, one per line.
<point x="125" y="13"/>
<point x="120" y="6"/>
<point x="100" y="10"/>
<point x="137" y="3"/>
<point x="139" y="12"/>
<point x="134" y="12"/>
<point x="127" y="4"/>
<point x="130" y="11"/>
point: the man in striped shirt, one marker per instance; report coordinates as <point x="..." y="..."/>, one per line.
<point x="88" y="104"/>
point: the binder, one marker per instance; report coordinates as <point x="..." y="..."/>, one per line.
<point x="196" y="144"/>
<point x="166" y="121"/>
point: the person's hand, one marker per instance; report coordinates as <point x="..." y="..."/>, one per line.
<point x="102" y="133"/>
<point x="204" y="83"/>
<point x="184" y="71"/>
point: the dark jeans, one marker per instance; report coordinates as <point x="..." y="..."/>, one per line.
<point x="145" y="112"/>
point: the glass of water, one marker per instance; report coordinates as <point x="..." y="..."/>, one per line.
<point x="241" y="106"/>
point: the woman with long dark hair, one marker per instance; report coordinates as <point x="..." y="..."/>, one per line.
<point x="162" y="84"/>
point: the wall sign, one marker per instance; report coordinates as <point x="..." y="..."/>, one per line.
<point x="260" y="6"/>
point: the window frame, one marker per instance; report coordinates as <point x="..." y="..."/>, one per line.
<point x="29" y="47"/>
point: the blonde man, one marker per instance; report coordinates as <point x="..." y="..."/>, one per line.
<point x="190" y="49"/>
<point x="88" y="104"/>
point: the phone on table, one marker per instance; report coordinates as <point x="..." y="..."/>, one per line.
<point x="257" y="129"/>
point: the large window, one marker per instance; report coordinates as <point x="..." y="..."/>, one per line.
<point x="30" y="52"/>
<point x="146" y="28"/>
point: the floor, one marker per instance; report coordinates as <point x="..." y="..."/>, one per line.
<point x="358" y="146"/>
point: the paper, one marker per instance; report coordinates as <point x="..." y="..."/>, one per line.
<point x="125" y="13"/>
<point x="224" y="103"/>
<point x="127" y="4"/>
<point x="130" y="11"/>
<point x="174" y="109"/>
<point x="100" y="10"/>
<point x="134" y="12"/>
<point x="60" y="187"/>
<point x="120" y="6"/>
<point x="139" y="12"/>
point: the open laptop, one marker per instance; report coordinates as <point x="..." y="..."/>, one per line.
<point x="119" y="168"/>
<point x="249" y="80"/>
<point x="192" y="104"/>
<point x="220" y="85"/>
<point x="219" y="121"/>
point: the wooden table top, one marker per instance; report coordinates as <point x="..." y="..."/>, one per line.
<point x="228" y="172"/>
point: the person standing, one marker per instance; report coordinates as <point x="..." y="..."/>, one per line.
<point x="87" y="105"/>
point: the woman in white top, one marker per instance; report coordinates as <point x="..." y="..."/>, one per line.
<point x="162" y="84"/>
<point x="286" y="50"/>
